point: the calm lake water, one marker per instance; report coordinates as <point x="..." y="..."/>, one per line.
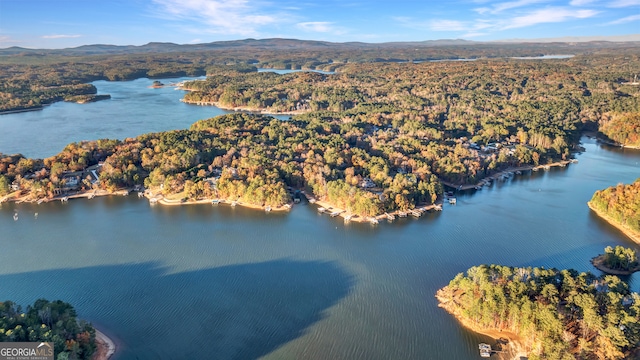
<point x="215" y="282"/>
<point x="134" y="109"/>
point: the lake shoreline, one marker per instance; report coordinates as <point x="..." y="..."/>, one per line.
<point x="162" y="200"/>
<point x="499" y="174"/>
<point x="598" y="263"/>
<point x="515" y="348"/>
<point x="242" y="108"/>
<point x="105" y="346"/>
<point x="632" y="234"/>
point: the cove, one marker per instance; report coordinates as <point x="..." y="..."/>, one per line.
<point x="192" y="281"/>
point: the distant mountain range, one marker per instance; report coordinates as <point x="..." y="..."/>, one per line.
<point x="283" y="44"/>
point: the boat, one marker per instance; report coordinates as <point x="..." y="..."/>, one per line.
<point x="91" y="196"/>
<point x="452" y="201"/>
<point x="373" y="221"/>
<point x="574" y="161"/>
<point x="267" y="208"/>
<point x="140" y="194"/>
<point x="402" y="214"/>
<point x="348" y="218"/>
<point x="335" y="213"/>
<point x="547" y="167"/>
<point x="40" y="201"/>
<point x="153" y="201"/>
<point x="64" y="199"/>
<point x="416" y="213"/>
<point x="287" y="206"/>
<point x="234" y="203"/>
<point x="312" y="200"/>
<point x="518" y="172"/>
<point x="215" y="202"/>
<point x="485" y="350"/>
<point x="15" y="216"/>
<point x="35" y="215"/>
<point x="321" y="209"/>
<point x="437" y="207"/>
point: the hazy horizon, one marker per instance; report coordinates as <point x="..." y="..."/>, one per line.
<point x="71" y="23"/>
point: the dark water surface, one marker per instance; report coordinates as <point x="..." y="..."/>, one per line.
<point x="215" y="282"/>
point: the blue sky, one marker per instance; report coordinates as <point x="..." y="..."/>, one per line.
<point x="68" y="23"/>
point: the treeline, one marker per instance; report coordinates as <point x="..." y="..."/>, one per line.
<point x="621" y="203"/>
<point x="242" y="156"/>
<point x="23" y="95"/>
<point x="534" y="112"/>
<point x="559" y="314"/>
<point x="620" y="258"/>
<point x="27" y="69"/>
<point x="47" y="321"/>
<point x="623" y="128"/>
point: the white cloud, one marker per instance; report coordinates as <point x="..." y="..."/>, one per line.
<point x="237" y="17"/>
<point x="501" y="7"/>
<point x="60" y="36"/>
<point x="547" y="15"/>
<point x="318" y="26"/>
<point x="581" y="2"/>
<point x="625" y="20"/>
<point x="473" y="34"/>
<point x="434" y="25"/>
<point x="4" y="39"/>
<point x="447" y="25"/>
<point x="624" y="3"/>
<point x="491" y="24"/>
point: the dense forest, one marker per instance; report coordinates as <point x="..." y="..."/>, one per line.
<point x="622" y="128"/>
<point x="557" y="314"/>
<point x="47" y="321"/>
<point x="373" y="137"/>
<point x="620" y="258"/>
<point x="30" y="77"/>
<point x="621" y="204"/>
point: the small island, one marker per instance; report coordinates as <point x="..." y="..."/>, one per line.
<point x="620" y="206"/>
<point x="157" y="84"/>
<point x="84" y="99"/>
<point x="547" y="313"/>
<point x="617" y="261"/>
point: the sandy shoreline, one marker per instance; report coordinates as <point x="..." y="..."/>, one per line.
<point x="497" y="175"/>
<point x="359" y="219"/>
<point x="105" y="347"/>
<point x="632" y="234"/>
<point x="243" y="109"/>
<point x="598" y="263"/>
<point x="159" y="199"/>
<point x="515" y="348"/>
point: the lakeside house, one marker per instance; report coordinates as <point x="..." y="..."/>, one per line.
<point x="367" y="183"/>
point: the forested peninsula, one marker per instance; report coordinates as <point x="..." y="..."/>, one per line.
<point x="373" y="138"/>
<point x="548" y="313"/>
<point x="620" y="206"/>
<point x="48" y="321"/>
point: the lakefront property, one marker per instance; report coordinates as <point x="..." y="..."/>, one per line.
<point x="291" y="236"/>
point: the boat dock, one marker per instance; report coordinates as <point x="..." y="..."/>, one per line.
<point x="485" y="350"/>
